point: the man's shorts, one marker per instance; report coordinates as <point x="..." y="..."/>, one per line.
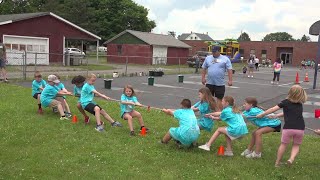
<point x="216" y="91"/>
<point x="54" y="103"/>
<point x="36" y="95"/>
<point x="90" y="108"/>
<point x="295" y="134"/>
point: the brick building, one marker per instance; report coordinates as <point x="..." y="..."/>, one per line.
<point x="291" y="52"/>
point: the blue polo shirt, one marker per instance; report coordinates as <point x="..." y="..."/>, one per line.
<point x="216" y="69"/>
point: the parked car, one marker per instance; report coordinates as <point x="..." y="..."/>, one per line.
<point x="74" y="51"/>
<point x="191" y="61"/>
<point x="102" y="49"/>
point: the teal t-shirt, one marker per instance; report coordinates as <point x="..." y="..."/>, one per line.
<point x="204" y="122"/>
<point x="260" y="122"/>
<point x="36" y="85"/>
<point x="87" y="95"/>
<point x="187" y="119"/>
<point x="48" y="94"/>
<point x="60" y="86"/>
<point x="236" y="125"/>
<point x="77" y="92"/>
<point x="127" y="108"/>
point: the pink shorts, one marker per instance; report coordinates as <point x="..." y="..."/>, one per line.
<point x="295" y="134"/>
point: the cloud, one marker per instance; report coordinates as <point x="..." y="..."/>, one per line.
<point x="227" y="18"/>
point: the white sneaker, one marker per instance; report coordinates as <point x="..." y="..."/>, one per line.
<point x="252" y="76"/>
<point x="272" y="82"/>
<point x="253" y="155"/>
<point x="277" y="82"/>
<point x="228" y="153"/>
<point x="204" y="147"/>
<point x="246" y="152"/>
<point x="248" y="76"/>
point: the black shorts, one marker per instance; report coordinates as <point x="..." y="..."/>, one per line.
<point x="2" y="63"/>
<point x="216" y="91"/>
<point x="36" y="95"/>
<point x="276" y="129"/>
<point x="90" y="108"/>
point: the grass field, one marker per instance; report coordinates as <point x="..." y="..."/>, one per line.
<point x="43" y="147"/>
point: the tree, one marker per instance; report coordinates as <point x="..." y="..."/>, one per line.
<point x="244" y="37"/>
<point x="305" y="38"/>
<point x="278" y="36"/>
<point x="105" y="18"/>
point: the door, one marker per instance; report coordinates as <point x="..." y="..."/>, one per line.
<point x="159" y="55"/>
<point x="37" y="49"/>
<point x="286" y="58"/>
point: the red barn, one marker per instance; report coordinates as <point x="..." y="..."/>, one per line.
<point x="146" y="48"/>
<point x="41" y="33"/>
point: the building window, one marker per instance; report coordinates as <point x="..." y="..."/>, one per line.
<point x="263" y="54"/>
<point x="119" y="48"/>
<point x="29" y="48"/>
<point x="8" y="46"/>
<point x="252" y="52"/>
<point x="195" y="38"/>
<point x="22" y="47"/>
<point x="15" y="46"/>
<point x="191" y="38"/>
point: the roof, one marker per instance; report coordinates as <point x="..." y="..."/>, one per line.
<point x="11" y="18"/>
<point x="153" y="39"/>
<point x="204" y="37"/>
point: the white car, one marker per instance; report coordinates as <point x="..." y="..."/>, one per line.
<point x="102" y="49"/>
<point x="74" y="51"/>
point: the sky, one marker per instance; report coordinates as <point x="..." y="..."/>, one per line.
<point x="226" y="19"/>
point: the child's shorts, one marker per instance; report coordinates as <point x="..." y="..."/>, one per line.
<point x="295" y="134"/>
<point x="36" y="95"/>
<point x="54" y="103"/>
<point x="130" y="113"/>
<point x="90" y="108"/>
<point x="232" y="137"/>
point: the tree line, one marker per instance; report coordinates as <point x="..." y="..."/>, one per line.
<point x="106" y="18"/>
<point x="277" y="36"/>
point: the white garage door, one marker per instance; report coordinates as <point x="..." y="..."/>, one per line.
<point x="159" y="55"/>
<point x="36" y="48"/>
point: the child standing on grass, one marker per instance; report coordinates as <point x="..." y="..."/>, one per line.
<point x="49" y="96"/>
<point x="86" y="100"/>
<point x="188" y="130"/>
<point x="236" y="125"/>
<point x="206" y="105"/>
<point x="128" y="101"/>
<point x="293" y="122"/>
<point x="38" y="85"/>
<point x="78" y="82"/>
<point x="265" y="125"/>
<point x="61" y="87"/>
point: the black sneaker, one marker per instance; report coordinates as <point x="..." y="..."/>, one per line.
<point x="132" y="133"/>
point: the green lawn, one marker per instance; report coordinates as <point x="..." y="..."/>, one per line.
<point x="92" y="67"/>
<point x="43" y="147"/>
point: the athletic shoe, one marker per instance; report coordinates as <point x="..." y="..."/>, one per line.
<point x="55" y="109"/>
<point x="68" y="115"/>
<point x="228" y="153"/>
<point x="117" y="124"/>
<point x="246" y="152"/>
<point x="248" y="76"/>
<point x="253" y="155"/>
<point x="204" y="147"/>
<point x="277" y="82"/>
<point x="272" y="82"/>
<point x="40" y="111"/>
<point x="86" y="120"/>
<point x="289" y="163"/>
<point x="99" y="128"/>
<point x="64" y="118"/>
<point x="132" y="133"/>
<point x="252" y="76"/>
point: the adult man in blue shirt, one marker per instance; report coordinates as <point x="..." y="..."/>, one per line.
<point x="215" y="66"/>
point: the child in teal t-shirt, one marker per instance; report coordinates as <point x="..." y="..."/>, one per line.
<point x="236" y="126"/>
<point x="38" y="84"/>
<point x="78" y="82"/>
<point x="265" y="125"/>
<point x="188" y="130"/>
<point x="86" y="99"/>
<point x="206" y="105"/>
<point x="128" y="101"/>
<point x="49" y="96"/>
<point x="66" y="107"/>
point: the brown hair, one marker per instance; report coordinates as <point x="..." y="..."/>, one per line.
<point x="230" y="100"/>
<point x="186" y="103"/>
<point x="209" y="98"/>
<point x="297" y="94"/>
<point x="129" y="87"/>
<point x="254" y="102"/>
<point x="37" y="74"/>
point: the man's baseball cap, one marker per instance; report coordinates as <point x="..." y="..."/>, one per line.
<point x="216" y="49"/>
<point x="53" y="78"/>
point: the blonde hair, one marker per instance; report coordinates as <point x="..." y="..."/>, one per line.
<point x="92" y="76"/>
<point x="37" y="74"/>
<point x="207" y="96"/>
<point x="129" y="87"/>
<point x="297" y="94"/>
<point x="230" y="100"/>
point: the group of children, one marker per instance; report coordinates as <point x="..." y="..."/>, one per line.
<point x="51" y="94"/>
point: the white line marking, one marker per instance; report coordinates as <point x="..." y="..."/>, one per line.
<point x="312" y="103"/>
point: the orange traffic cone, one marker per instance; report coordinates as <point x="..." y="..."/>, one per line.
<point x="297" y="78"/>
<point x="306" y="79"/>
<point x="74" y="119"/>
<point x="143" y="131"/>
<point x="221" y="151"/>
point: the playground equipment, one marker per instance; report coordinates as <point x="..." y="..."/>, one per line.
<point x="229" y="47"/>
